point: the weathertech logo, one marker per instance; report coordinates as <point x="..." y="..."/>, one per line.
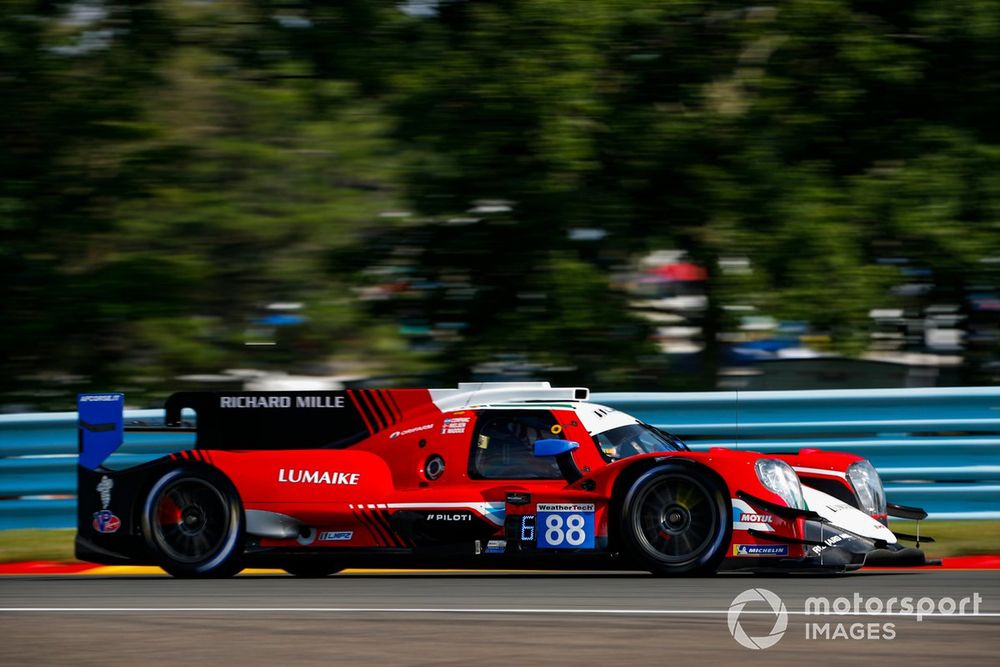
<point x="293" y="476"/>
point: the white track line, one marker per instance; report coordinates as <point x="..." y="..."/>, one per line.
<point x="474" y="610"/>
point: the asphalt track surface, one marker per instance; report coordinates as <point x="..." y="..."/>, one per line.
<point x="478" y="619"/>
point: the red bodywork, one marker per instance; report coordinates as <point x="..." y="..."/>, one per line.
<point x="366" y="484"/>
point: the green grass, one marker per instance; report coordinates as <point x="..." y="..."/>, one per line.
<point x="36" y="544"/>
<point x="953" y="538"/>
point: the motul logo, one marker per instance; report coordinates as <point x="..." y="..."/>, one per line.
<point x="294" y="476"/>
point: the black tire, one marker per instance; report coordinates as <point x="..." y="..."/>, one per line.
<point x="311" y="570"/>
<point x="677" y="520"/>
<point x="193" y="523"/>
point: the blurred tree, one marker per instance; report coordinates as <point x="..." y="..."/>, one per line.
<point x="168" y="169"/>
<point x="165" y="182"/>
<point x="72" y="76"/>
<point x="786" y="135"/>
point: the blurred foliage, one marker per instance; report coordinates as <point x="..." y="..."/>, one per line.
<point x="168" y="168"/>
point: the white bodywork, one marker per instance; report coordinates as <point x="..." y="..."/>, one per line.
<point x="842" y="515"/>
<point x="475" y="394"/>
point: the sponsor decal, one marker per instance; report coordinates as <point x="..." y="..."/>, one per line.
<point x="104" y="490"/>
<point x="449" y="517"/>
<point x="492" y="512"/>
<point x="455" y="425"/>
<point x="518" y="498"/>
<point x="565" y="507"/>
<point x="104" y="520"/>
<point x="294" y="476"/>
<point x="760" y="549"/>
<point x="746" y="517"/>
<point x="830" y="541"/>
<point x="98" y="398"/>
<point x="281" y="401"/>
<point x="496" y="546"/>
<point x="336" y="535"/>
<point x="565" y="525"/>
<point x="408" y="431"/>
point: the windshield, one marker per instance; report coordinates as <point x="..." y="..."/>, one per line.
<point x="624" y="441"/>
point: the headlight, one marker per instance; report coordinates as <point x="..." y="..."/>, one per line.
<point x="779" y="477"/>
<point x="867" y="486"/>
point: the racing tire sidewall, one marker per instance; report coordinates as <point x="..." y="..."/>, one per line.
<point x="707" y="559"/>
<point x="223" y="561"/>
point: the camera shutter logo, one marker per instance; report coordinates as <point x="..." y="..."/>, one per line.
<point x="780" y="622"/>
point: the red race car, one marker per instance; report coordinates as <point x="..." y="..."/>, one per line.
<point x="488" y="475"/>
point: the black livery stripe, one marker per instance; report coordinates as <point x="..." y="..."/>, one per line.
<point x="395" y="405"/>
<point x="381" y="402"/>
<point x="375" y="409"/>
<point x="383" y="530"/>
<point x="386" y="517"/>
<point x="362" y="517"/>
<point x="357" y="405"/>
<point x="384" y="525"/>
<point x="368" y="413"/>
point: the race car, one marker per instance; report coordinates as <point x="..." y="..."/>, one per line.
<point x="485" y="475"/>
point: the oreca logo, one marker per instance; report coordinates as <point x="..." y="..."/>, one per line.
<point x="780" y="621"/>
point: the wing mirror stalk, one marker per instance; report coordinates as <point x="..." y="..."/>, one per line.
<point x="562" y="451"/>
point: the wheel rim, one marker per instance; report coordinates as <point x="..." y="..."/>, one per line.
<point x="676" y="519"/>
<point x="191" y="520"/>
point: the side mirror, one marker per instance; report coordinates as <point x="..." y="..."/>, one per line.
<point x="554" y="447"/>
<point x="562" y="450"/>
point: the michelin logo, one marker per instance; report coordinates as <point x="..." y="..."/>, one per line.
<point x="760" y="549"/>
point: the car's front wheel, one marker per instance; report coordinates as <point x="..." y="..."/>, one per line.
<point x="676" y="520"/>
<point x="193" y="523"/>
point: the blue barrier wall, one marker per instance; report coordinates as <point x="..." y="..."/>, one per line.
<point x="935" y="448"/>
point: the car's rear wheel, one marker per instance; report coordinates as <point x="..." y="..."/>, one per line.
<point x="676" y="520"/>
<point x="193" y="523"/>
<point x="311" y="570"/>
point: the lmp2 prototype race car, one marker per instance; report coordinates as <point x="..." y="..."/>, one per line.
<point x="488" y="475"/>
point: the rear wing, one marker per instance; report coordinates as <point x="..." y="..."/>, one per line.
<point x="100" y="427"/>
<point x="234" y="420"/>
